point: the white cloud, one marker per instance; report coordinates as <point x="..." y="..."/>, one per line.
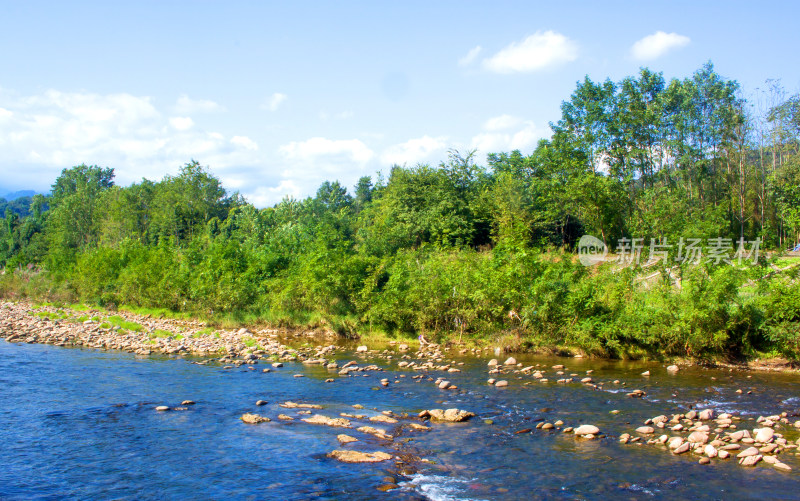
<point x="274" y="101"/>
<point x="186" y="105"/>
<point x="414" y="151"/>
<point x="44" y="133"/>
<point x="503" y="134"/>
<point x="317" y="147"/>
<point x="536" y="52"/>
<point x="656" y="45"/>
<point x="502" y="122"/>
<point x="245" y="142"/>
<point x="181" y="123"/>
<point x="470" y="57"/>
<point x="306" y="164"/>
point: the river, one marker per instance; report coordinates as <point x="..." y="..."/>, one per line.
<point x="80" y="424"/>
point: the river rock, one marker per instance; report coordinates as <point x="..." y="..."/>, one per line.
<point x="697" y="437"/>
<point x="501" y="383"/>
<point x="254" y="418"/>
<point x="684" y="447"/>
<point x="380" y="418"/>
<point x="586" y="429"/>
<point x="359" y="457"/>
<point x="705" y="414"/>
<point x="327" y="421"/>
<point x="345" y="439"/>
<point x="645" y="430"/>
<point x="378" y="432"/>
<point x="510" y="361"/>
<point x="750" y="451"/>
<point x="672" y="369"/>
<point x="448" y="416"/>
<point x="362" y="349"/>
<point x="444" y="385"/>
<point x="782" y="467"/>
<point x="188" y="402"/>
<point x="261" y="402"/>
<point x="162" y="408"/>
<point x="764" y="435"/>
<point x="723" y="454"/>
<point x="710" y="451"/>
<point x="492" y="362"/>
<point x="750" y="460"/>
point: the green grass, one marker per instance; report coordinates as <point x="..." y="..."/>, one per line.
<point x="120" y="322"/>
<point x="156" y="312"/>
<point x="250" y="342"/>
<point x="52" y="315"/>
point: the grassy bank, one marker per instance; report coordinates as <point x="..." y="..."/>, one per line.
<point x="523" y="302"/>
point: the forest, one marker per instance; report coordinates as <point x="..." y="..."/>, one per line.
<point x="467" y="252"/>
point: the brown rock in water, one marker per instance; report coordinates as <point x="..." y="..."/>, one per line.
<point x="380" y="418"/>
<point x="188" y="402"/>
<point x="378" y="432"/>
<point x="254" y="418"/>
<point x="501" y="383"/>
<point x="510" y="361"/>
<point x="162" y="408"/>
<point x="261" y="402"/>
<point x="449" y="415"/>
<point x="345" y="439"/>
<point x="359" y="457"/>
<point x="645" y="430"/>
<point x="327" y="421"/>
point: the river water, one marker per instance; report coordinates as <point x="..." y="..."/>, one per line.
<point x="81" y="424"/>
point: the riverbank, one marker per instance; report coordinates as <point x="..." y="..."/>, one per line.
<point x="148" y="333"/>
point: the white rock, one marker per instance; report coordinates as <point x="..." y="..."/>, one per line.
<point x="586" y="429"/>
<point x="764" y="435"/>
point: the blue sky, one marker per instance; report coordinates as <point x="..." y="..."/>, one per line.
<point x="277" y="97"/>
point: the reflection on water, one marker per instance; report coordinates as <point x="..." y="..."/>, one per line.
<point x="81" y="424"/>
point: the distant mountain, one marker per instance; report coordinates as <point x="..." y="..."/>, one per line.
<point x="19" y="194"/>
